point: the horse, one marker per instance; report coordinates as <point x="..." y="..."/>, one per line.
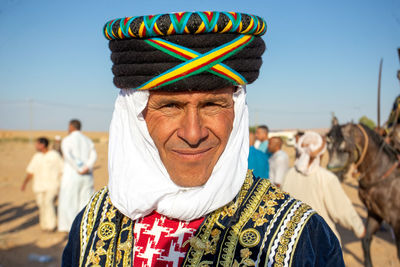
<point x="379" y="176"/>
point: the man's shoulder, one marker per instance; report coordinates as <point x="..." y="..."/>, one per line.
<point x="327" y="175"/>
<point x="99" y="203"/>
<point x="97" y="228"/>
<point x="263" y="222"/>
<point x="269" y="202"/>
<point x="53" y="154"/>
<point x="282" y="154"/>
<point x="37" y="155"/>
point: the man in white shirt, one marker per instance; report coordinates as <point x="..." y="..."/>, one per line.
<point x="320" y="188"/>
<point x="45" y="168"/>
<point x="278" y="161"/>
<point x="77" y="181"/>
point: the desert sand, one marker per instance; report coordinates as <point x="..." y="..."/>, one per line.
<point x="20" y="234"/>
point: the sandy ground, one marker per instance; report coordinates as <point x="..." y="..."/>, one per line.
<point x="20" y="234"/>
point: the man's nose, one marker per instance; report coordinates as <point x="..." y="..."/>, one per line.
<point x="192" y="130"/>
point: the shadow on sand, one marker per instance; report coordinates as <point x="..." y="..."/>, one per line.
<point x="8" y="259"/>
<point x="10" y="213"/>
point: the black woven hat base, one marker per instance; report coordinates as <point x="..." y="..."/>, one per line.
<point x="136" y="62"/>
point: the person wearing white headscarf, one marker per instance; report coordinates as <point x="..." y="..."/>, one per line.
<point x="179" y="191"/>
<point x="320" y="188"/>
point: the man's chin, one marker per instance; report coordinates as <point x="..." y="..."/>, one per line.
<point x="190" y="178"/>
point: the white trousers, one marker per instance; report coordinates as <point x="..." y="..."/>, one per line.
<point x="47" y="209"/>
<point x="75" y="193"/>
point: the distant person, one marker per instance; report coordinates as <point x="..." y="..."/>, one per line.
<point x="57" y="144"/>
<point x="278" y="161"/>
<point x="77" y="181"/>
<point x="45" y="168"/>
<point x="320" y="188"/>
<point x="258" y="161"/>
<point x="262" y="137"/>
<point x="297" y="137"/>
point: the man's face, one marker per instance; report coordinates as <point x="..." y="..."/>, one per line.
<point x="274" y="145"/>
<point x="190" y="130"/>
<point x="39" y="146"/>
<point x="70" y="128"/>
<point x="261" y="134"/>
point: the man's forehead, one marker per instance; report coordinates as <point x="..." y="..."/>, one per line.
<point x="223" y="93"/>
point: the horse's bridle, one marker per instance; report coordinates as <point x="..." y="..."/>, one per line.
<point x="364" y="149"/>
<point x="362" y="183"/>
<point x="361" y="153"/>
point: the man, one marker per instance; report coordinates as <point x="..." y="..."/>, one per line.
<point x="320" y="188"/>
<point x="278" y="161"/>
<point x="179" y="191"/>
<point x="258" y="161"/>
<point x="45" y="168"/>
<point x="77" y="181"/>
<point x="296" y="139"/>
<point x="262" y="137"/>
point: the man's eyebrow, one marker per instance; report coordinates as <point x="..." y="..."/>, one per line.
<point x="164" y="101"/>
<point x="215" y="99"/>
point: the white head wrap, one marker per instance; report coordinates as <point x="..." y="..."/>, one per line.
<point x="138" y="180"/>
<point x="308" y="143"/>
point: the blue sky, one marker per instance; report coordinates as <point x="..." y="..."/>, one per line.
<point x="321" y="57"/>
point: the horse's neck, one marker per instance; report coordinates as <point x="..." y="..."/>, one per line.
<point x="376" y="161"/>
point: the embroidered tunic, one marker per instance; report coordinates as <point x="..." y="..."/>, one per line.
<point x="262" y="226"/>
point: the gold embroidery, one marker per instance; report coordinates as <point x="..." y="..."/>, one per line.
<point x="288" y="233"/>
<point x="248" y="212"/>
<point x="249" y="238"/>
<point x="246" y="261"/>
<point x="125" y="248"/>
<point x="230" y="209"/>
<point x="106" y="230"/>
<point x="87" y="222"/>
<point x="299" y="234"/>
<point x="200" y="244"/>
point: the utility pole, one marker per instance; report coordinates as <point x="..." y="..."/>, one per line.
<point x="398" y="72"/>
<point x="379" y="95"/>
<point x="30" y="120"/>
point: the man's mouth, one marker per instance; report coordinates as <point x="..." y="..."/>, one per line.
<point x="191" y="154"/>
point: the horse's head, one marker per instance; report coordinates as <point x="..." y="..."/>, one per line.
<point x="342" y="148"/>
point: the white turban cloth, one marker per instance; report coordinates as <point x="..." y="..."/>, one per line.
<point x="307" y="144"/>
<point x="139" y="182"/>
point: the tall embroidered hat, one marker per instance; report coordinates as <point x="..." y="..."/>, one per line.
<point x="186" y="51"/>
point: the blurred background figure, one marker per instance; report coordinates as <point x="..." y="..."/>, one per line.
<point x="262" y="138"/>
<point x="45" y="168"/>
<point x="258" y="161"/>
<point x="320" y="188"/>
<point x="296" y="138"/>
<point x="77" y="181"/>
<point x="278" y="161"/>
<point x="57" y="144"/>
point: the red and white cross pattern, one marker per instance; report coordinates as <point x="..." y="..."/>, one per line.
<point x="159" y="240"/>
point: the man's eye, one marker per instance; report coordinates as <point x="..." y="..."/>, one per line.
<point x="211" y="104"/>
<point x="170" y="105"/>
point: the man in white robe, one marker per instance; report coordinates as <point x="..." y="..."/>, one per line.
<point x="320" y="188"/>
<point x="77" y="181"/>
<point x="278" y="161"/>
<point x="45" y="169"/>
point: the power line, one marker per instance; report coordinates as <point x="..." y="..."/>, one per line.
<point x="34" y="103"/>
